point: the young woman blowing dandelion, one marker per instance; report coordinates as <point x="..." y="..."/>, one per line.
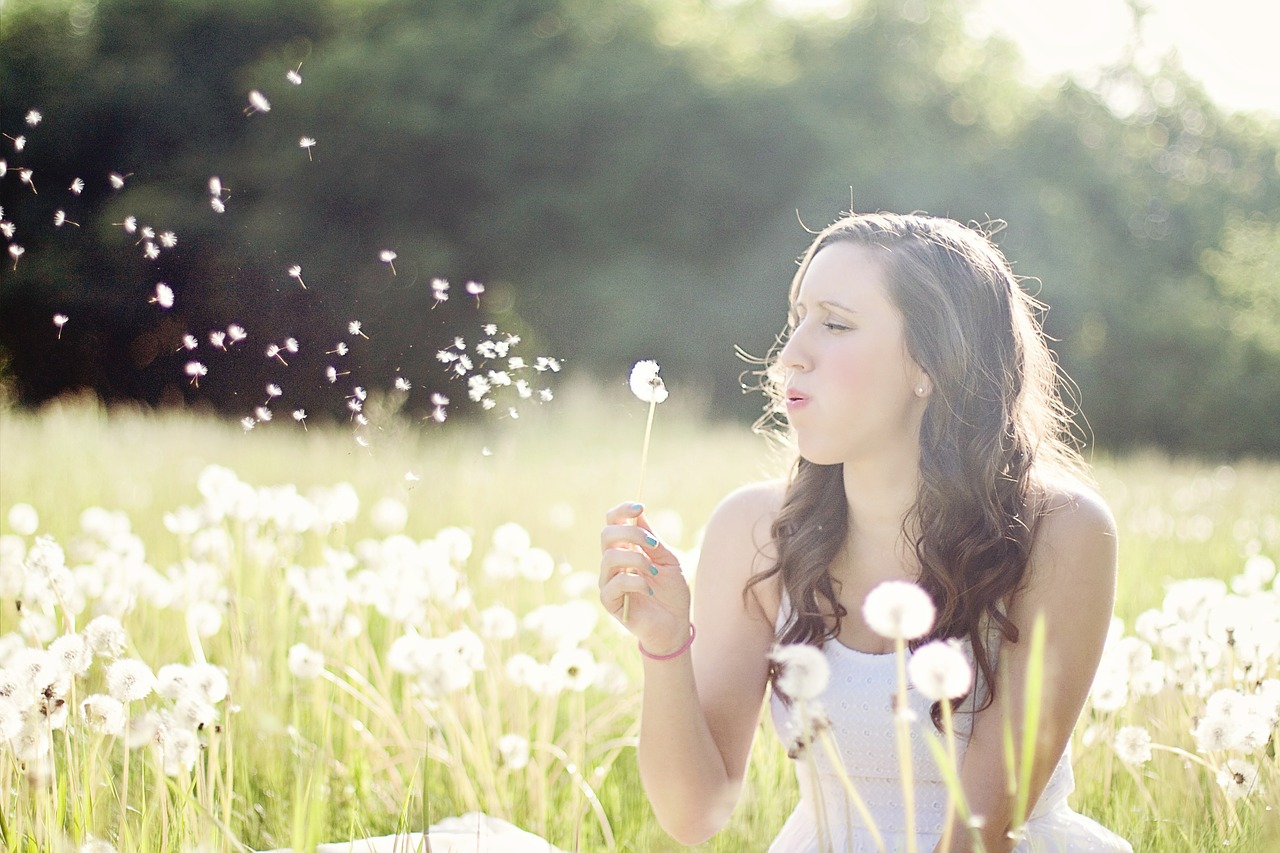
<point x="922" y="401"/>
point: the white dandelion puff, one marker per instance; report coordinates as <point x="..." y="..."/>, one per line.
<point x="60" y="219"/>
<point x="33" y="117"/>
<point x="295" y="272"/>
<point x="104" y="714"/>
<point x="60" y="320"/>
<point x="513" y="750"/>
<point x="168" y="239"/>
<point x="899" y="610"/>
<point x="258" y="103"/>
<point x="646" y="383"/>
<point x="403" y="384"/>
<point x="294" y="75"/>
<point x="354" y="328"/>
<point x="1133" y="745"/>
<point x="236" y="333"/>
<point x="802" y="671"/>
<point x="15" y="252"/>
<point x="388" y="257"/>
<point x="77" y="187"/>
<point x="117" y="180"/>
<point x="129" y="680"/>
<point x="308" y="143"/>
<point x="939" y="670"/>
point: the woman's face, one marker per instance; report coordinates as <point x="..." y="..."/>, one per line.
<point x="852" y="389"/>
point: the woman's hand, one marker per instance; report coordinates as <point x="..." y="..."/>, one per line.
<point x="635" y="563"/>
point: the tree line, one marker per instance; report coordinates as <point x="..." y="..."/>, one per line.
<point x="626" y="179"/>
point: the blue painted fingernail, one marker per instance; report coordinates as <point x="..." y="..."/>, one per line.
<point x="637" y="506"/>
<point x="653" y="570"/>
<point x="650" y="589"/>
<point x="649" y="540"/>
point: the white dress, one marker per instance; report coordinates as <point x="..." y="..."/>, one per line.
<point x="858" y="702"/>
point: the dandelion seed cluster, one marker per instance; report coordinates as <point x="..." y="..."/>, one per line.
<point x="153" y="241"/>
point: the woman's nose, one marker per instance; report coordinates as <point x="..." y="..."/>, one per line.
<point x="793" y="356"/>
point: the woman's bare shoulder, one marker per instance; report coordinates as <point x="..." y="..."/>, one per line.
<point x="738" y="543"/>
<point x="1077" y="536"/>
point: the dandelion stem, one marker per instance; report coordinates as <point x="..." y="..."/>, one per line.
<point x="644" y="460"/>
<point x="829" y="745"/>
<point x="904" y="745"/>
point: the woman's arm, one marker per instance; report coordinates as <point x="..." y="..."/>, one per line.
<point x="1071" y="581"/>
<point x="700" y="709"/>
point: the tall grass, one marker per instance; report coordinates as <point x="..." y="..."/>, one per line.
<point x="361" y="750"/>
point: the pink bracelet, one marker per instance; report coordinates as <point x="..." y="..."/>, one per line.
<point x="693" y="632"/>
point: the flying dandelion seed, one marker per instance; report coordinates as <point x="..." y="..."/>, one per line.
<point x="168" y="239"/>
<point x="236" y="333"/>
<point x="189" y="342"/>
<point x="247" y="423"/>
<point x="4" y="168"/>
<point x="33" y="117"/>
<point x="163" y="296"/>
<point x="294" y="76"/>
<point x="19" y="142"/>
<point x="60" y="320"/>
<point x="403" y="384"/>
<point x="258" y="103"/>
<point x="439" y="290"/>
<point x="273" y="351"/>
<point x="195" y="370"/>
<point x="388" y="257"/>
<point x="8" y="229"/>
<point x="217" y="339"/>
<point x="475" y="288"/>
<point x="130" y="225"/>
<point x="308" y="143"/>
<point x="262" y="413"/>
<point x="77" y="187"/>
<point x="217" y="205"/>
<point x="295" y="271"/>
<point x="28" y="177"/>
<point x="273" y="391"/>
<point x="60" y="219"/>
<point x="353" y="328"/>
<point x="146" y="233"/>
<point x="339" y="349"/>
<point x="150" y="250"/>
<point x="300" y="415"/>
<point x="899" y="610"/>
<point x="215" y="185"/>
<point x="15" y="251"/>
<point x="117" y="180"/>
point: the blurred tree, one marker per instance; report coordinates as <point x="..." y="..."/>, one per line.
<point x="625" y="179"/>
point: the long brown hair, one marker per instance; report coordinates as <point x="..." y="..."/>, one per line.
<point x="993" y="431"/>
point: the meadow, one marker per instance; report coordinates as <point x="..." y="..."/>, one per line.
<point x="277" y="637"/>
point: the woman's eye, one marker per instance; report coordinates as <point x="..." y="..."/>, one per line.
<point x="836" y="326"/>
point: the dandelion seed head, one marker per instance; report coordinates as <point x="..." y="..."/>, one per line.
<point x="117" y="180"/>
<point x="802" y="672"/>
<point x="273" y="390"/>
<point x="940" y="670"/>
<point x="33" y="117"/>
<point x="898" y="610"/>
<point x="236" y="333"/>
<point x="387" y="256"/>
<point x="73" y="653"/>
<point x="106" y="636"/>
<point x="77" y="187"/>
<point x="189" y="342"/>
<point x="513" y="750"/>
<point x="103" y="714"/>
<point x="1239" y="779"/>
<point x="402" y="384"/>
<point x="1133" y="745"/>
<point x="168" y="239"/>
<point x="23" y="520"/>
<point x="129" y="680"/>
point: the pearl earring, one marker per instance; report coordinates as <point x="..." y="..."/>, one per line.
<point x="920" y="391"/>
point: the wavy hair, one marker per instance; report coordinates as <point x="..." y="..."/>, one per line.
<point x="994" y="430"/>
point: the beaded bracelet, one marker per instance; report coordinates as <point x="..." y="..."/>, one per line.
<point x="693" y="632"/>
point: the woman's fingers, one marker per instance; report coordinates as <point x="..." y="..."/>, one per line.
<point x="616" y="589"/>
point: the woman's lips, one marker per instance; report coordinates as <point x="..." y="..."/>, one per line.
<point x="796" y="400"/>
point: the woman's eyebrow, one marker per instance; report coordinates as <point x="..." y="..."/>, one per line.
<point x="831" y="305"/>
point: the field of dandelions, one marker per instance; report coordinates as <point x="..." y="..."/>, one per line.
<point x="213" y="639"/>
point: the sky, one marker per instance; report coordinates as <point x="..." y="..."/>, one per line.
<point x="1228" y="45"/>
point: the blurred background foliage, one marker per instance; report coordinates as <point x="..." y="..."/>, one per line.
<point x="628" y="178"/>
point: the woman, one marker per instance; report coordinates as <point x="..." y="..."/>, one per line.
<point x="922" y="401"/>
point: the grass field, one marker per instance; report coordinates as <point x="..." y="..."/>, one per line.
<point x="390" y="661"/>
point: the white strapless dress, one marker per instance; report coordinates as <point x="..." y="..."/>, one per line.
<point x="858" y="702"/>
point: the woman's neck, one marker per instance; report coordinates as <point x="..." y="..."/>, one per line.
<point x="880" y="491"/>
